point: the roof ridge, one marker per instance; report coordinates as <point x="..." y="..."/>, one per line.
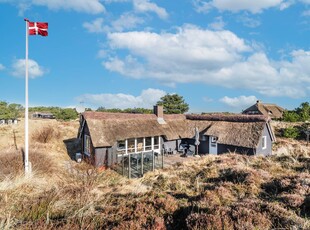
<point x="229" y="118"/>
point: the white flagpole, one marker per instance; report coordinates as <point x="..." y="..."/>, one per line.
<point x="27" y="171"/>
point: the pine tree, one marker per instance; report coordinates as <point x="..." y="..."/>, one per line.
<point x="173" y="104"/>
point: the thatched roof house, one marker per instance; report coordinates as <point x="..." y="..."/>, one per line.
<point x="271" y="110"/>
<point x="107" y="128"/>
<point x="43" y="115"/>
<point x="108" y="133"/>
<point x="235" y="130"/>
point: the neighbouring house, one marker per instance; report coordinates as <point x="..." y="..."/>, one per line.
<point x="12" y="121"/>
<point x="272" y="110"/>
<point x="43" y="115"/>
<point x="106" y="136"/>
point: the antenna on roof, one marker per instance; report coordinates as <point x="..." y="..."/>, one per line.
<point x="80" y="108"/>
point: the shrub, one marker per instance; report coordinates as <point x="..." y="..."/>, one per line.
<point x="66" y="114"/>
<point x="42" y="163"/>
<point x="291" y="132"/>
<point x="209" y="221"/>
<point x="234" y="175"/>
<point x="11" y="164"/>
<point x="290" y="116"/>
<point x="306" y="207"/>
<point x="45" y="135"/>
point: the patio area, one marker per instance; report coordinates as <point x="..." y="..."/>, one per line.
<point x="176" y="158"/>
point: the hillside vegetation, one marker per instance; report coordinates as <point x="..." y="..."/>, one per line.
<point x="213" y="192"/>
<point x="301" y="113"/>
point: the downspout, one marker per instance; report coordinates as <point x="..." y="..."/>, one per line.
<point x="81" y="129"/>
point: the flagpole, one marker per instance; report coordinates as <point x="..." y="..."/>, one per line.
<point x="27" y="171"/>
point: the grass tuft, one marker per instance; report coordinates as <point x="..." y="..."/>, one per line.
<point x="46" y="134"/>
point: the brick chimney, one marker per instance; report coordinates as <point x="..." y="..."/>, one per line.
<point x="159" y="112"/>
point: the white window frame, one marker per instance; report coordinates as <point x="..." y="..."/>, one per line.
<point x="126" y="150"/>
<point x="126" y="146"/>
<point x="147" y="147"/>
<point x="143" y="144"/>
<point x="86" y="152"/>
<point x="264" y="142"/>
<point x="214" y="139"/>
<point x="118" y="145"/>
<point x="157" y="146"/>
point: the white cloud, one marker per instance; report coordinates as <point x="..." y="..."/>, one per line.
<point x="123" y="67"/>
<point x="207" y="99"/>
<point x="126" y="21"/>
<point x="34" y="70"/>
<point x="146" y="99"/>
<point x="188" y="51"/>
<point x="249" y="21"/>
<point x="306" y="13"/>
<point x="286" y="4"/>
<point x="102" y="53"/>
<point x="22" y="6"/>
<point x="211" y="57"/>
<point x="96" y="26"/>
<point x="2" y="67"/>
<point x="218" y="24"/>
<point x="111" y="1"/>
<point x="86" y="6"/>
<point x="180" y="57"/>
<point x="239" y="102"/>
<point x="305" y="1"/>
<point x="147" y="6"/>
<point x="202" y="6"/>
<point x="236" y="5"/>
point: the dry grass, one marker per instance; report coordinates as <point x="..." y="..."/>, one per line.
<point x="216" y="192"/>
<point x="45" y="134"/>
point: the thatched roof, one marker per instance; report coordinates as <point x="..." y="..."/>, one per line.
<point x="107" y="128"/>
<point x="243" y="134"/>
<point x="228" y="117"/>
<point x="271" y="110"/>
<point x="43" y="113"/>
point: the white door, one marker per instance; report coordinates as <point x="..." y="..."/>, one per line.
<point x="213" y="145"/>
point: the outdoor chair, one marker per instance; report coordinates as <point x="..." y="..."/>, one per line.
<point x="167" y="150"/>
<point x="186" y="151"/>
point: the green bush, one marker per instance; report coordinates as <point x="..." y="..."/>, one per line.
<point x="302" y="113"/>
<point x="290" y="116"/>
<point x="66" y="114"/>
<point x="291" y="132"/>
<point x="9" y="111"/>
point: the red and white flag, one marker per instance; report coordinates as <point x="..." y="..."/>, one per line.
<point x="38" y="28"/>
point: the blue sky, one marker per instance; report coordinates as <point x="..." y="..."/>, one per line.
<point x="220" y="55"/>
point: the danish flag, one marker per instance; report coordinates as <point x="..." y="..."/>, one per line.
<point x="38" y="28"/>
